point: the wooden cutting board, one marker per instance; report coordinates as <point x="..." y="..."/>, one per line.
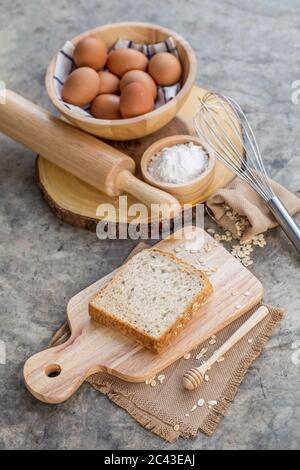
<point x="55" y="374"/>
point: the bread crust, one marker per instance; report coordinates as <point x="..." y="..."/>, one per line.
<point x="156" y="345"/>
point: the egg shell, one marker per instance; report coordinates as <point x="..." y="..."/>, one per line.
<point x="165" y="69"/>
<point x="135" y="100"/>
<point x="122" y="60"/>
<point x="106" y="106"/>
<point x="81" y="86"/>
<point x="109" y="83"/>
<point x="90" y="52"/>
<point x="141" y="77"/>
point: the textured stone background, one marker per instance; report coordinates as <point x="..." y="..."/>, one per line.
<point x="248" y="50"/>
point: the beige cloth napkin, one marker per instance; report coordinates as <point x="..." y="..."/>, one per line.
<point x="165" y="407"/>
<point x="246" y="202"/>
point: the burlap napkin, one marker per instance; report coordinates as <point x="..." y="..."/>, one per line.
<point x="240" y="198"/>
<point x="164" y="406"/>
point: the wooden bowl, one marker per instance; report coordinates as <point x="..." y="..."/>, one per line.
<point x="184" y="192"/>
<point x="133" y="128"/>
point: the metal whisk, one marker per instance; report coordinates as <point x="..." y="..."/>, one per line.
<point x="224" y="129"/>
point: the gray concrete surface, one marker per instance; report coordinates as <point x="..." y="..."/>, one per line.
<point x="247" y="49"/>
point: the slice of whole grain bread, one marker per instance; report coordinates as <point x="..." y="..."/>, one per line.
<point x="151" y="297"/>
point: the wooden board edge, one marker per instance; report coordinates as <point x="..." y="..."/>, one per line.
<point x="72" y="218"/>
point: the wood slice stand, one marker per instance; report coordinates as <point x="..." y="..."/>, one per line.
<point x="75" y="202"/>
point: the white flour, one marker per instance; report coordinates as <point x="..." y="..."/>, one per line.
<point x="178" y="164"/>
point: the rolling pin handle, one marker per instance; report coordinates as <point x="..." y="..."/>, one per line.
<point x="148" y="194"/>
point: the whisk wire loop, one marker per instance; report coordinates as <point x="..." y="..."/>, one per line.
<point x="225" y="130"/>
<point x="230" y="136"/>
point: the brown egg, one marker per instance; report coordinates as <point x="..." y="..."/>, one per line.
<point x="135" y="100"/>
<point x="81" y="86"/>
<point x="90" y="52"/>
<point x="122" y="60"/>
<point x="165" y="68"/>
<point x="141" y="77"/>
<point x="106" y="107"/>
<point x="109" y="83"/>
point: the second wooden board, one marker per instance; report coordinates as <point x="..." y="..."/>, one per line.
<point x="55" y="374"/>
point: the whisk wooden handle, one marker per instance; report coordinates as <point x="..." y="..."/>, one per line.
<point x="194" y="377"/>
<point x="285" y="220"/>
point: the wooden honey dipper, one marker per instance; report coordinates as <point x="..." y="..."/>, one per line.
<point x="194" y="377"/>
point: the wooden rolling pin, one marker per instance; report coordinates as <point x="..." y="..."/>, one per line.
<point x="89" y="159"/>
<point x="194" y="377"/>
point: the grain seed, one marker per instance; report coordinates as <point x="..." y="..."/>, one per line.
<point x="200" y="402"/>
<point x="202" y="353"/>
<point x="187" y="356"/>
<point x="176" y="427"/>
<point x="212" y="402"/>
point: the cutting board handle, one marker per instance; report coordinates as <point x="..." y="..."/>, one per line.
<point x="53" y="375"/>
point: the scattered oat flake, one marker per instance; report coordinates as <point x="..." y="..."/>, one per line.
<point x="250" y="340"/>
<point x="194" y="408"/>
<point x="200" y="402"/>
<point x="211" y="230"/>
<point x="153" y="383"/>
<point x="202" y="353"/>
<point x="238" y="306"/>
<point x="176" y="427"/>
<point x="206" y="378"/>
<point x="187" y="415"/>
<point x="187" y="356"/>
<point x="221" y="359"/>
<point x="247" y="293"/>
<point x="212" y="341"/>
<point x="212" y="402"/>
<point x="161" y="378"/>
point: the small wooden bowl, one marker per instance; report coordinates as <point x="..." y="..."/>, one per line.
<point x="185" y="192"/>
<point x="133" y="128"/>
